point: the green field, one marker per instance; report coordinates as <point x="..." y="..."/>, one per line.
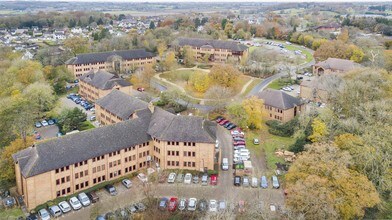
<point x="10" y="213"/>
<point x="268" y="144"/>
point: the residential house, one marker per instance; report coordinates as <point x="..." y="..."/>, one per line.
<point x="279" y="105"/>
<point x="98" y="83"/>
<point x="216" y="50"/>
<point x="333" y="65"/>
<point x="73" y="163"/>
<point x="114" y="61"/>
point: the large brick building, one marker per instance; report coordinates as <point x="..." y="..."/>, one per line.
<point x="216" y="50"/>
<point x="116" y="107"/>
<point x="121" y="61"/>
<point x="279" y="105"/>
<point x="98" y="83"/>
<point x="72" y="163"/>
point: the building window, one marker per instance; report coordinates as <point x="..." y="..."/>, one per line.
<point x="58" y="194"/>
<point x="94" y="170"/>
<point x="76" y="175"/>
<point x="58" y="182"/>
<point x="77" y="187"/>
<point x="86" y="172"/>
<point x="68" y="189"/>
<point x="68" y="178"/>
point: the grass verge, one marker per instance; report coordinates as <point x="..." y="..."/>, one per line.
<point x="86" y="125"/>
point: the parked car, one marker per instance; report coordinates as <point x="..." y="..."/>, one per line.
<point x="222" y="205"/>
<point x="140" y="207"/>
<point x="204" y="180"/>
<point x="122" y="214"/>
<point x="263" y="182"/>
<point x="75" y="203"/>
<point x="219" y="119"/>
<point x="172" y="204"/>
<point x="203" y="205"/>
<point x="171" y="178"/>
<point x="213" y="206"/>
<point x="100" y="217"/>
<point x="223" y="122"/>
<point x="93" y="118"/>
<point x="188" y="178"/>
<point x="142" y="177"/>
<point x="50" y="122"/>
<point x="44" y="123"/>
<point x="64" y="206"/>
<point x="38" y="124"/>
<point x="132" y="209"/>
<point x="225" y="164"/>
<point x="37" y="136"/>
<point x="214" y="179"/>
<point x="127" y="183"/>
<point x="140" y="89"/>
<point x="43" y="214"/>
<point x="182" y="204"/>
<point x="195" y="179"/>
<point x="32" y="217"/>
<point x="163" y="204"/>
<point x="232" y="126"/>
<point x="275" y="182"/>
<point x="180" y="178"/>
<point x="254" y="182"/>
<point x="111" y="189"/>
<point x="245" y="181"/>
<point x="227" y="124"/>
<point x="93" y="196"/>
<point x="256" y="141"/>
<point x="83" y="198"/>
<point x="55" y="211"/>
<point x="237" y="181"/>
<point x="192" y="204"/>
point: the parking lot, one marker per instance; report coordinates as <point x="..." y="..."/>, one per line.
<point x="68" y="103"/>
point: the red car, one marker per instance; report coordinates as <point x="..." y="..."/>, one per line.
<point x="140" y="89"/>
<point x="214" y="179"/>
<point x="236" y="143"/>
<point x="223" y="122"/>
<point x="173" y="202"/>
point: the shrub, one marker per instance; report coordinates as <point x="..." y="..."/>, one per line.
<point x="283" y="129"/>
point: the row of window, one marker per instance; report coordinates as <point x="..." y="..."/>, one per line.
<point x="98" y="158"/>
<point x="130" y="158"/>
<point x="81" y="174"/>
<point x="176" y="143"/>
<point x="173" y="153"/>
<point x="114" y="163"/>
<point x="157" y="149"/>
<point x="62" y="169"/>
<point x="114" y="153"/>
<point x="80" y="163"/>
<point x="130" y="148"/>
<point x="190" y="144"/>
<point x="189" y="154"/>
<point x="145" y="153"/>
<point x="99" y="179"/>
<point x="173" y="143"/>
<point x="99" y="168"/>
<point x="114" y="174"/>
<point x="130" y="169"/>
<point x="189" y="164"/>
<point x="63" y="180"/>
<point x="173" y="163"/>
<point x="81" y="185"/>
<point x="63" y="192"/>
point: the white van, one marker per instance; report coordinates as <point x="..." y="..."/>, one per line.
<point x="225" y="164"/>
<point x="254" y="182"/>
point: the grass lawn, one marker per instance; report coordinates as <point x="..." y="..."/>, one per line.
<point x="309" y="56"/>
<point x="10" y="213"/>
<point x="177" y="75"/>
<point x="268" y="145"/>
<point x="86" y="125"/>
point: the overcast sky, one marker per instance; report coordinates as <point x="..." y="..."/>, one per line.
<point x="222" y="0"/>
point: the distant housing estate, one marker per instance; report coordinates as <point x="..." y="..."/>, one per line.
<point x="98" y="83"/>
<point x="72" y="163"/>
<point x="216" y="50"/>
<point x="121" y="61"/>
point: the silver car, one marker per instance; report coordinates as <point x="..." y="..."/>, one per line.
<point x="182" y="204"/>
